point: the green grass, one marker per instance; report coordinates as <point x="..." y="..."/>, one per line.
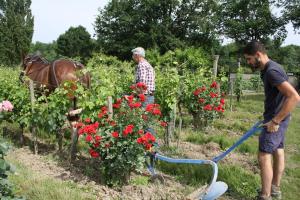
<point x="139" y="180"/>
<point x="291" y="178"/>
<point x="242" y="182"/>
<point x="35" y="186"/>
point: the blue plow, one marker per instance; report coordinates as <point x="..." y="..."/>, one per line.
<point x="215" y="188"/>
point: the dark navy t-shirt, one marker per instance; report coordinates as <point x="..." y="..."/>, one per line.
<point x="272" y="76"/>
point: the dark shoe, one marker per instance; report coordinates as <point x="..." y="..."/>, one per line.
<point x="276" y="193"/>
<point x="263" y="198"/>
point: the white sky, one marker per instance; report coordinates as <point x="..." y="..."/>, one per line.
<point x="54" y="17"/>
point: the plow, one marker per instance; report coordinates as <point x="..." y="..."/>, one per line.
<point x="214" y="188"/>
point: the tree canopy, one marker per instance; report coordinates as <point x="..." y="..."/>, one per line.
<point x="75" y="42"/>
<point x="247" y="20"/>
<point x="16" y="30"/>
<point x="165" y="25"/>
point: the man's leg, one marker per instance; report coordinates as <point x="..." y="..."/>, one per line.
<point x="266" y="172"/>
<point x="278" y="166"/>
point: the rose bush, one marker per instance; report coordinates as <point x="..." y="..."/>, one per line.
<point x="120" y="142"/>
<point x="206" y="104"/>
<point x="5" y="108"/>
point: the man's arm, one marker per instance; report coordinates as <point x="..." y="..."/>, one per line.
<point x="292" y="99"/>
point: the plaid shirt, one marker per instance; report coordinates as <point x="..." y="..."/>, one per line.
<point x="146" y="74"/>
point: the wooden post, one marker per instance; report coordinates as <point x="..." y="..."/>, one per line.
<point x="110" y="107"/>
<point x="74" y="142"/>
<point x="33" y="128"/>
<point x="179" y="131"/>
<point x="59" y="136"/>
<point x="231" y="94"/>
<point x="239" y="63"/>
<point x="216" y="59"/>
<point x="74" y="136"/>
<point x="4" y="131"/>
<point x="174" y="121"/>
<point x="22" y="136"/>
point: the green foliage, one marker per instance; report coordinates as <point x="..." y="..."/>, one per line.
<point x="47" y="50"/>
<point x="242" y="184"/>
<point x="17" y="94"/>
<point x="206" y="104"/>
<point x="177" y="73"/>
<point x="75" y="42"/>
<point x="109" y="77"/>
<point x="6" y="188"/>
<point x="290" y="11"/>
<point x="167" y="87"/>
<point x="288" y="57"/>
<point x="247" y="20"/>
<point x="16" y="30"/>
<point x="256" y="83"/>
<point x="165" y="25"/>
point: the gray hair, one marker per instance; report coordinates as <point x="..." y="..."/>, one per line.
<point x="139" y="51"/>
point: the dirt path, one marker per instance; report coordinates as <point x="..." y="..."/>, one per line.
<point x="46" y="167"/>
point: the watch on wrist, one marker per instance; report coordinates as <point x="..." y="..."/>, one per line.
<point x="274" y="122"/>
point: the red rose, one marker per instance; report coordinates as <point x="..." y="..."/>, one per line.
<point x="98" y="138"/>
<point x="214" y="84"/>
<point x="222" y="101"/>
<point x="94" y="153"/>
<point x="88" y="138"/>
<point x="163" y="124"/>
<point x="87" y="120"/>
<point x="115" y="134"/>
<point x="142" y="97"/>
<point x="207" y="107"/>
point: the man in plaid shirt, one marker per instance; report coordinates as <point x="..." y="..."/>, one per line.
<point x="144" y="73"/>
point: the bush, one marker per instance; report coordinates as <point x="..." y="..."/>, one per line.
<point x="206" y="104"/>
<point x="120" y="142"/>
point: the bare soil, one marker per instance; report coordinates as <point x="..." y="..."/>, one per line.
<point x="59" y="168"/>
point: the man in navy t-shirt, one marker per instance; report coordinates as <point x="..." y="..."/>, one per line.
<point x="280" y="99"/>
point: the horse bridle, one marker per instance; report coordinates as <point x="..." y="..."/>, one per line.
<point x="28" y="60"/>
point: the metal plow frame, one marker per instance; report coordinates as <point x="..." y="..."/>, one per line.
<point x="215" y="188"/>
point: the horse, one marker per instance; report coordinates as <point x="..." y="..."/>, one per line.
<point x="52" y="74"/>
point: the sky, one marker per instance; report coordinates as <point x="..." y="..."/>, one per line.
<point x="54" y="17"/>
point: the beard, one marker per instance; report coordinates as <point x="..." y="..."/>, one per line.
<point x="256" y="65"/>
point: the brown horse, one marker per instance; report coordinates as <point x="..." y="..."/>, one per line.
<point x="52" y="74"/>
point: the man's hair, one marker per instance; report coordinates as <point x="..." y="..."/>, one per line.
<point x="139" y="51"/>
<point x="254" y="46"/>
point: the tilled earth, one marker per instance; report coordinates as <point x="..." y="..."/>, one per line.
<point x="171" y="189"/>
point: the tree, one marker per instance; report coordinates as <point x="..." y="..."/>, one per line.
<point x="246" y="20"/>
<point x="291" y="11"/>
<point x="75" y="42"/>
<point x="16" y="30"/>
<point x="165" y="25"/>
<point x="47" y="50"/>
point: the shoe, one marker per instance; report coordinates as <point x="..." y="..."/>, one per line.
<point x="275" y="192"/>
<point x="263" y="198"/>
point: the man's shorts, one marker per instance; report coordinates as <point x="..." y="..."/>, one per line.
<point x="270" y="142"/>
